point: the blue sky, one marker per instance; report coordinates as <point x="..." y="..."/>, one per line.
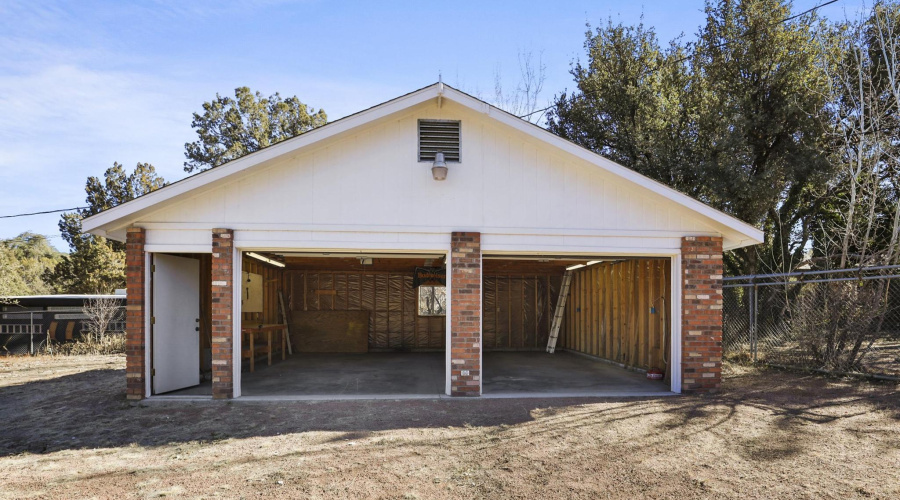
<point x="87" y="83"/>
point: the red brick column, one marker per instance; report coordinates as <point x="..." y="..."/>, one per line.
<point x="222" y="310"/>
<point x="701" y="313"/>
<point x="465" y="314"/>
<point x="135" y="280"/>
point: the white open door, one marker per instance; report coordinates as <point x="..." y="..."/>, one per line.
<point x="176" y="313"/>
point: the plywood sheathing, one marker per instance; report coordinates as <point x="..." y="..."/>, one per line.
<point x="620" y="311"/>
<point x="389" y="297"/>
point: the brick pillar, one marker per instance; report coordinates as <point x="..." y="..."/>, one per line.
<point x="135" y="279"/>
<point x="222" y="310"/>
<point x="465" y="314"/>
<point x="701" y="313"/>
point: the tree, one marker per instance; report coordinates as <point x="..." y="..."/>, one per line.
<point x="11" y="283"/>
<point x="523" y="101"/>
<point x="632" y="105"/>
<point x="860" y="224"/>
<point x="730" y="119"/>
<point x="95" y="264"/>
<point x="233" y="127"/>
<point x="101" y="312"/>
<point x="764" y="154"/>
<point x="23" y="262"/>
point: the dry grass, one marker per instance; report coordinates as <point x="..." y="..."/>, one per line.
<point x="88" y="345"/>
<point x="68" y="432"/>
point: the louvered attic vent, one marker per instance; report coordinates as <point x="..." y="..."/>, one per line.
<point x="438" y="136"/>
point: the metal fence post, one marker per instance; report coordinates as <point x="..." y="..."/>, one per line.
<point x="31" y="332"/>
<point x="754" y="331"/>
<point x="800" y="317"/>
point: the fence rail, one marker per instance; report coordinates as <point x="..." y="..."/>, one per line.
<point x="37" y="330"/>
<point x="31" y="342"/>
<point x="838" y="321"/>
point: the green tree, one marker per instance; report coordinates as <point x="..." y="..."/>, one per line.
<point x="633" y="105"/>
<point x="764" y="149"/>
<point x="233" y="127"/>
<point x="23" y="262"/>
<point x="731" y="119"/>
<point x="96" y="264"/>
<point x="11" y="282"/>
<point x="860" y="224"/>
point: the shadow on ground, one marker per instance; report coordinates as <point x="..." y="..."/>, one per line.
<point x="88" y="410"/>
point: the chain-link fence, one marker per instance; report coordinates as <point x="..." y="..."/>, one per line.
<point x="839" y="321"/>
<point x="98" y="323"/>
<point x="22" y="339"/>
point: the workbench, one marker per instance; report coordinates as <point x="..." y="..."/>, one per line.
<point x="249" y="332"/>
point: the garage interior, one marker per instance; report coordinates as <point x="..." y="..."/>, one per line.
<point x="375" y="325"/>
<point x="614" y="326"/>
<point x="359" y="324"/>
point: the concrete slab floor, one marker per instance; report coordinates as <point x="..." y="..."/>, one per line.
<point x="505" y="374"/>
<point x="343" y="374"/>
<point x="541" y="373"/>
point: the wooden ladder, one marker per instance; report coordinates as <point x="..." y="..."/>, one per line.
<point x="558" y="313"/>
<point x="287" y="321"/>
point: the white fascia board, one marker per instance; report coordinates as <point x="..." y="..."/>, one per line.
<point x="753" y="235"/>
<point x="110" y="216"/>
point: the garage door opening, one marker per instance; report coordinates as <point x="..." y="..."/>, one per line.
<point x="613" y="327"/>
<point x="316" y="324"/>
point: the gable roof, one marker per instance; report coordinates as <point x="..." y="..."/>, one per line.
<point x="118" y="216"/>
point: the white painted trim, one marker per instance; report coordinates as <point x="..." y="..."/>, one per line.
<point x="362" y="247"/>
<point x="148" y="314"/>
<point x="201" y="182"/>
<point x="448" y="344"/>
<point x="676" y="339"/>
<point x="178" y="248"/>
<point x="237" y="264"/>
<point x="358" y="228"/>
<point x="585" y="252"/>
<point x="398" y="247"/>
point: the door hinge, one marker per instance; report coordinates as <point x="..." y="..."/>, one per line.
<point x="153" y="372"/>
<point x="153" y="268"/>
<point x="152" y="320"/>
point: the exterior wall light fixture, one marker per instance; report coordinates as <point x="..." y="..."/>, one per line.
<point x="439" y="167"/>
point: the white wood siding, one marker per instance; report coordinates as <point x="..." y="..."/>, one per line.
<point x="367" y="187"/>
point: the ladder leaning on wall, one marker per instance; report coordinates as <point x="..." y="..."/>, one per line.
<point x="558" y="313"/>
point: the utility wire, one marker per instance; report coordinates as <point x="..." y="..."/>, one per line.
<point x="753" y="32"/>
<point x="41" y="213"/>
<point x="685" y="58"/>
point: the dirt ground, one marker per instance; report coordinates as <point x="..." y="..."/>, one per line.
<point x="66" y="431"/>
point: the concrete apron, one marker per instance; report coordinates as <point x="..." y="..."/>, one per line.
<point x="402" y="397"/>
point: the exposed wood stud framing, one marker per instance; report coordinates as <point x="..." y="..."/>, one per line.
<point x="619" y="311"/>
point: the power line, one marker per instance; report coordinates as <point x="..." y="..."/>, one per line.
<point x="42" y="213"/>
<point x="685" y="58"/>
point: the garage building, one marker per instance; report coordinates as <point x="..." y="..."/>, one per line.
<point x="431" y="245"/>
